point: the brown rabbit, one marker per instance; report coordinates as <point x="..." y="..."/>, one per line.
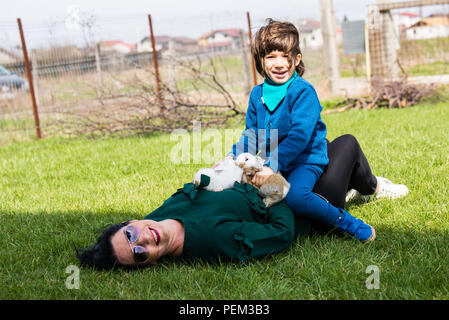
<point x="275" y="187"/>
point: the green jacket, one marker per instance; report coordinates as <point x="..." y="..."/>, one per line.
<point x="233" y="224"/>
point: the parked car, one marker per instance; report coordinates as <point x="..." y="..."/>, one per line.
<point x="10" y="81"/>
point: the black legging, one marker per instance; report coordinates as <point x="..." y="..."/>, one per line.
<point x="348" y="169"/>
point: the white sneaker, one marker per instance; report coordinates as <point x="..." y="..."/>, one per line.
<point x="387" y="189"/>
<point x="354" y="195"/>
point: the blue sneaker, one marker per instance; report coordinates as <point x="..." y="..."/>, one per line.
<point x="355" y="227"/>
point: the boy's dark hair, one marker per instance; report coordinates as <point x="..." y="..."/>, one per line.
<point x="276" y="35"/>
<point x="101" y="254"/>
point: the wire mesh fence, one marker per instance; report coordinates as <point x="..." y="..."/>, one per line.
<point x="85" y="66"/>
<point x="408" y="38"/>
<point x="16" y="117"/>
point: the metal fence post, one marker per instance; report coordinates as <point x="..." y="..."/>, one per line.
<point x="30" y="80"/>
<point x="155" y="64"/>
<point x="253" y="64"/>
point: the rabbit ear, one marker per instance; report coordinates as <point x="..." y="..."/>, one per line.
<point x="260" y="160"/>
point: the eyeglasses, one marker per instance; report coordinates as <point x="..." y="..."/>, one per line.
<point x="140" y="253"/>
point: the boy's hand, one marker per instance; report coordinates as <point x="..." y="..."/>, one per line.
<point x="262" y="176"/>
<point x="219" y="161"/>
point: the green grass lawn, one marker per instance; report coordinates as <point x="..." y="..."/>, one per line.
<point x="429" y="69"/>
<point x="57" y="193"/>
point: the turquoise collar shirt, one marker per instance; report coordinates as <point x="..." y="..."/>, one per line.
<point x="273" y="93"/>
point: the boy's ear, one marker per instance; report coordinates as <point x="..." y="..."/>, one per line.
<point x="298" y="59"/>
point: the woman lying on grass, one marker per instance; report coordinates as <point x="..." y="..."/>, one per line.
<point x="233" y="224"/>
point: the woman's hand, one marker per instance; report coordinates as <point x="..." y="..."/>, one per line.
<point x="219" y="161"/>
<point x="262" y="176"/>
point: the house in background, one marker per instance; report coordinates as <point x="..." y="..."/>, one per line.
<point x="403" y="20"/>
<point x="181" y="44"/>
<point x="429" y="28"/>
<point x="310" y="36"/>
<point x="117" y="46"/>
<point x="185" y="44"/>
<point x="161" y="43"/>
<point x="222" y="39"/>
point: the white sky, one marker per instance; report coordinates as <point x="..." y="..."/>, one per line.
<point x="43" y="9"/>
<point x="127" y="19"/>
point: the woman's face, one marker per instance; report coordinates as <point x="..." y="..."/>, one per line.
<point x="141" y="242"/>
<point x="277" y="66"/>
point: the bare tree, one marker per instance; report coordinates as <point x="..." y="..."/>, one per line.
<point x="135" y="108"/>
<point x="85" y="20"/>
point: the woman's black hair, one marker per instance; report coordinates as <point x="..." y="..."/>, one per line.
<point x="101" y="255"/>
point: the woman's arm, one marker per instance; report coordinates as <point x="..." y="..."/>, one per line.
<point x="244" y="240"/>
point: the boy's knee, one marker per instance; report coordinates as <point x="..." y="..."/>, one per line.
<point x="299" y="197"/>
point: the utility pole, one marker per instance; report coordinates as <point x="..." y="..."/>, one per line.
<point x="330" y="46"/>
<point x="389" y="42"/>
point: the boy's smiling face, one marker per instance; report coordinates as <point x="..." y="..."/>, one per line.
<point x="278" y="68"/>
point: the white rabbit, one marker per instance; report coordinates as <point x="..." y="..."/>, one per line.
<point x="222" y="176"/>
<point x="242" y="170"/>
<point x="248" y="160"/>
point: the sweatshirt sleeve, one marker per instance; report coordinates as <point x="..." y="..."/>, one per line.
<point x="248" y="138"/>
<point x="249" y="239"/>
<point x="304" y="117"/>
